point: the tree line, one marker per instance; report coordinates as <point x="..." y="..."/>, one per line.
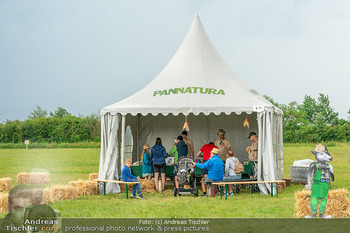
<point x="313" y="120"/>
<point x="58" y="126"/>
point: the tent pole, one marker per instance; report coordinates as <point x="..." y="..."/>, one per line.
<point x="122" y="149"/>
<point x="137" y="137"/>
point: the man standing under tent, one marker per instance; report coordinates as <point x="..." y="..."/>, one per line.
<point x="253" y="152"/>
<point x="189" y="144"/>
<point x="223" y="144"/>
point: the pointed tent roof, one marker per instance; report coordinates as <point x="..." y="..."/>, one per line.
<point x="196" y="80"/>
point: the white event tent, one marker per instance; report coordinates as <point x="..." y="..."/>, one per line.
<point x="196" y="83"/>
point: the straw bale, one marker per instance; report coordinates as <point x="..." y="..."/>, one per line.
<point x="303" y="203"/>
<point x="90" y="187"/>
<point x="23" y="178"/>
<point x="5" y="184"/>
<point x="3" y="202"/>
<point x="337" y="203"/>
<point x="47" y="196"/>
<point x="123" y="186"/>
<point x="63" y="192"/>
<point x="84" y="187"/>
<point x="78" y="185"/>
<point x="33" y="178"/>
<point x="148" y="186"/>
<point x="24" y="195"/>
<point x="93" y="176"/>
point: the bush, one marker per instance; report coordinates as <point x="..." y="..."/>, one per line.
<point x="62" y="129"/>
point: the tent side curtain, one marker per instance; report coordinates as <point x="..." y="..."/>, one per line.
<point x="109" y="156"/>
<point x="270" y="155"/>
<point x="278" y="131"/>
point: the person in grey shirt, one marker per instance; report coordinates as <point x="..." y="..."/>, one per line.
<point x="230" y="174"/>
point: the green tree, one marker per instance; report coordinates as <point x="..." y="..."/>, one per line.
<point x="60" y="112"/>
<point x="319" y="112"/>
<point x="309" y="109"/>
<point x="326" y="111"/>
<point x="37" y="113"/>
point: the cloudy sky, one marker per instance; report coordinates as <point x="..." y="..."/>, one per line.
<point x="83" y="55"/>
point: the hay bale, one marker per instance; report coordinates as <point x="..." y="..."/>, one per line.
<point x="337" y="204"/>
<point x="33" y="178"/>
<point x="63" y="192"/>
<point x="23" y="178"/>
<point x="5" y="184"/>
<point x="24" y="195"/>
<point x="148" y="186"/>
<point x="47" y="196"/>
<point x="3" y="202"/>
<point x="303" y="203"/>
<point x="84" y="187"/>
<point x="93" y="176"/>
<point x="90" y="187"/>
<point x="78" y="185"/>
<point x="123" y="187"/>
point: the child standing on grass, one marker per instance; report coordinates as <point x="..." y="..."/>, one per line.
<point x="147" y="163"/>
<point x="128" y="177"/>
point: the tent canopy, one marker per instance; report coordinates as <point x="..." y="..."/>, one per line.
<point x="198" y="83"/>
<point x="196" y="80"/>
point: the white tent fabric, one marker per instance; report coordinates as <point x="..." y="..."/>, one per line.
<point x="199" y="84"/>
<point x="270" y="151"/>
<point x="128" y="147"/>
<point x="109" y="156"/>
<point x="200" y="73"/>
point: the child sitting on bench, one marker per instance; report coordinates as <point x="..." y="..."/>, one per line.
<point x="128" y="177"/>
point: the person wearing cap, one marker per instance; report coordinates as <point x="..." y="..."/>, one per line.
<point x="253" y="151"/>
<point x="223" y="144"/>
<point x="205" y="153"/>
<point x="189" y="144"/>
<point x="253" y="156"/>
<point x="179" y="150"/>
<point x="147" y="164"/>
<point x="215" y="168"/>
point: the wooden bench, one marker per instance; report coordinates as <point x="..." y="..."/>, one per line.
<point x="210" y="185"/>
<point x="273" y="183"/>
<point x="99" y="181"/>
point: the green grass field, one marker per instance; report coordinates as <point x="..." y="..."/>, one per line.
<point x="66" y="165"/>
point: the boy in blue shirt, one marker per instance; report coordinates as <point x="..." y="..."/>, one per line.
<point x="128" y="177"/>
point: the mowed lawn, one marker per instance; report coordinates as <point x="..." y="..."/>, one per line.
<point x="66" y="165"/>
